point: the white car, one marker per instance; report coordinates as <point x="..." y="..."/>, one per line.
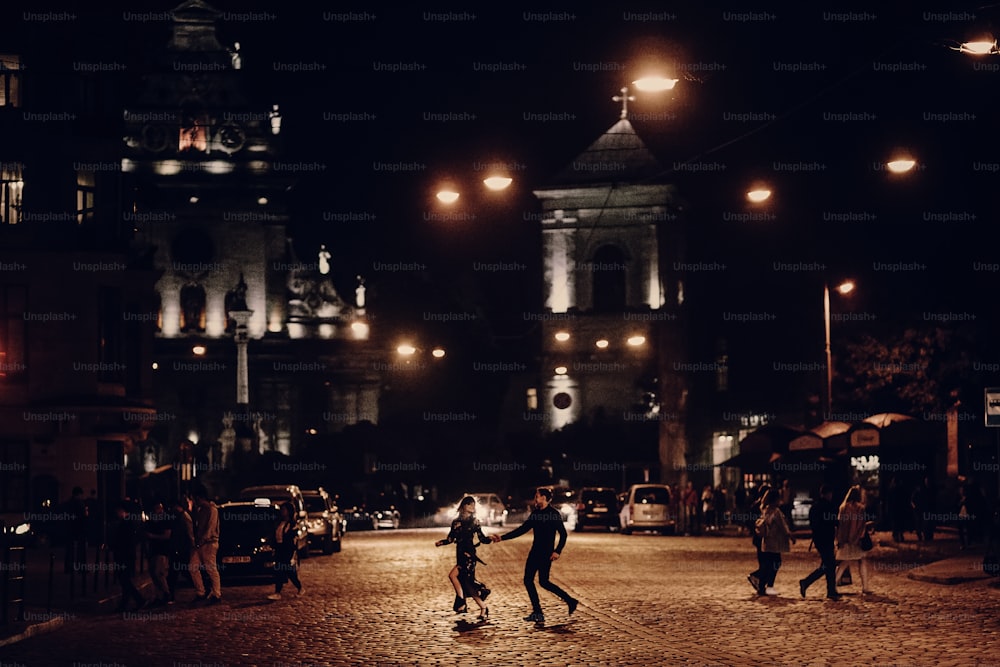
<point x="647" y="507"/>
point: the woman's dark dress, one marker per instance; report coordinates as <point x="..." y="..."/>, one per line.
<point x="463" y="532"/>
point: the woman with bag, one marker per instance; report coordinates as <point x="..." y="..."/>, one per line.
<point x="853" y="539"/>
<point x="756" y="576"/>
<point x="775" y="539"/>
<point x="463" y="576"/>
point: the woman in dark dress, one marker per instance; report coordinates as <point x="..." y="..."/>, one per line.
<point x="463" y="576"/>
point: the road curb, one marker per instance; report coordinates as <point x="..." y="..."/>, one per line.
<point x="33" y="630"/>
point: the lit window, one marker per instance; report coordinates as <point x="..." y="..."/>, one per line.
<point x="10" y="80"/>
<point x="11" y="186"/>
<point x="532" y="398"/>
<point x="194" y="134"/>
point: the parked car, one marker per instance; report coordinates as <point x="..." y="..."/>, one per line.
<point x="246" y="537"/>
<point x="281" y="493"/>
<point x="325" y="524"/>
<point x="647" y="507"/>
<point x="597" y="506"/>
<point x="385" y="515"/>
<point x="357" y="517"/>
<point x="490" y="510"/>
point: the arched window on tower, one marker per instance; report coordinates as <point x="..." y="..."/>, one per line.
<point x="608" y="274"/>
<point x="193" y="308"/>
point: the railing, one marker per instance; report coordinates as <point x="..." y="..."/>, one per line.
<point x="14" y="576"/>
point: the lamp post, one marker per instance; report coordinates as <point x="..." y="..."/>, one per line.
<point x="843" y="288"/>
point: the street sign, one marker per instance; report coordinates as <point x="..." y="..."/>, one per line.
<point x="992" y="397"/>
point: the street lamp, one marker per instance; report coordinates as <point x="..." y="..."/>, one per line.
<point x="843" y="288"/>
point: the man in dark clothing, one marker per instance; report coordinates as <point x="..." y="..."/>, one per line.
<point x="181" y="545"/>
<point x="78" y="524"/>
<point x="823" y="523"/>
<point x="124" y="540"/>
<point x="546" y="522"/>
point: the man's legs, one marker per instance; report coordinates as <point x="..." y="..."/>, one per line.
<point x="543" y="580"/>
<point x="194" y="569"/>
<point x="530" y="570"/>
<point x="209" y="554"/>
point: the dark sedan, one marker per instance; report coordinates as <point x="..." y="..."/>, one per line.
<point x="247" y="538"/>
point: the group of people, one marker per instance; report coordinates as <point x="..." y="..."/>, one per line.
<point x="841" y="535"/>
<point x="186" y="540"/>
<point x="183" y="540"/>
<point x="545" y="522"/>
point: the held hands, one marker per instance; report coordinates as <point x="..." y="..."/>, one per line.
<point x="494" y="538"/>
<point x="441" y="543"/>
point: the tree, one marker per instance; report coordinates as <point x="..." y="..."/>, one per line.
<point x="916" y="370"/>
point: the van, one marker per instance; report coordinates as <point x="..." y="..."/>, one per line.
<point x="647" y="507"/>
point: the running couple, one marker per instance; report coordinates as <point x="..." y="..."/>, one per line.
<point x="544" y="521"/>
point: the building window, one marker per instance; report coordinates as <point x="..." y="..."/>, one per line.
<point x="11" y="185"/>
<point x="84" y="197"/>
<point x="12" y="330"/>
<point x="194" y="134"/>
<point x="532" y="398"/>
<point x="10" y="80"/>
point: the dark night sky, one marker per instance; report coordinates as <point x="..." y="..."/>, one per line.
<point x="801" y="67"/>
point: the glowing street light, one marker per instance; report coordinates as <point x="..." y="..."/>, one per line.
<point x="654" y="84"/>
<point x="406" y="350"/>
<point x="562" y="336"/>
<point x="901" y="165"/>
<point x="497" y="183"/>
<point x="758" y="195"/>
<point x="447" y="196"/>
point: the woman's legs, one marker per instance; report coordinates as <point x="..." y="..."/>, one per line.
<point x="844" y="564"/>
<point x="863" y="567"/>
<point x="453" y="576"/>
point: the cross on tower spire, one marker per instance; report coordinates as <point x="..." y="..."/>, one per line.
<point x="624" y="98"/>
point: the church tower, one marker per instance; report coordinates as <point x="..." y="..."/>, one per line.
<point x="612" y="299"/>
<point x="253" y="344"/>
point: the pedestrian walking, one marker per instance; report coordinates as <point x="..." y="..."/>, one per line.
<point x="545" y="522"/>
<point x="464" y="530"/>
<point x="753" y="513"/>
<point x="285" y="552"/>
<point x="852" y="527"/>
<point x="775" y="539"/>
<point x="205" y="515"/>
<point x="823" y="524"/>
<point x="689" y="508"/>
<point x="708" y="507"/>
<point x="124" y="540"/>
<point x="181" y="545"/>
<point x="158" y="531"/>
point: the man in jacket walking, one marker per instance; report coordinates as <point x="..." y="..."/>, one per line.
<point x="823" y="523"/>
<point x="546" y="522"/>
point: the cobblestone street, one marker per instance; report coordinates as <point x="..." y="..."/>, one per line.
<point x="645" y="600"/>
